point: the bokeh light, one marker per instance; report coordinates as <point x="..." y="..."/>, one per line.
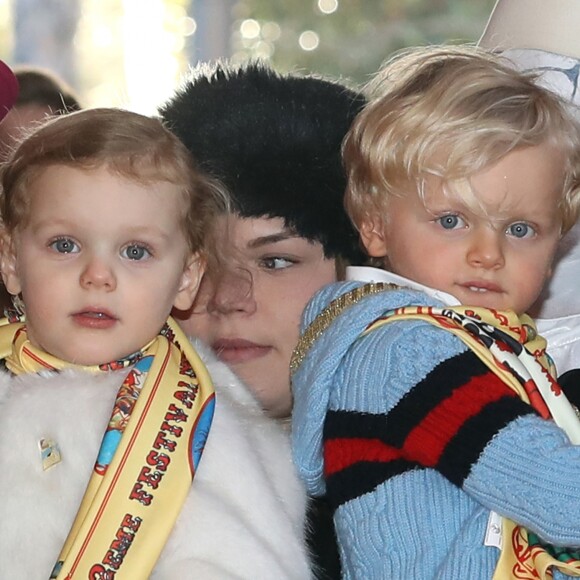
<point x="309" y="40"/>
<point x="327" y="6"/>
<point x="250" y="28"/>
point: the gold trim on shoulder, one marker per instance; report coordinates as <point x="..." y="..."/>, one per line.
<point x="325" y="318"/>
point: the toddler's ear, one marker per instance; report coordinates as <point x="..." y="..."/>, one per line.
<point x="190" y="281"/>
<point x="8" y="263"/>
<point x="372" y="234"/>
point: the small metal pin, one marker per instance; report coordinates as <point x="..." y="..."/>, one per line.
<point x="49" y="453"/>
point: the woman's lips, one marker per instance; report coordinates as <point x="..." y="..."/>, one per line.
<point x="238" y="350"/>
<point x="94" y="318"/>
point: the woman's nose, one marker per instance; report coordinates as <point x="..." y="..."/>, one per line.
<point x="227" y="293"/>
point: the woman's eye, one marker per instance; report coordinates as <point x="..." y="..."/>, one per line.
<point x="64" y="246"/>
<point x="135" y="252"/>
<point x="276" y="263"/>
<point x="451" y="221"/>
<point x="521" y="230"/>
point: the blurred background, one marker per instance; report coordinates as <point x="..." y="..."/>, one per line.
<point x="132" y="53"/>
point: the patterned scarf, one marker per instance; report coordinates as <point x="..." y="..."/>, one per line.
<point x="510" y="347"/>
<point x="149" y="455"/>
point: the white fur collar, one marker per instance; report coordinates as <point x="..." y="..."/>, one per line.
<point x="244" y="517"/>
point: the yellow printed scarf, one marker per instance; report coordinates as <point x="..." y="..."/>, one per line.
<point x="131" y="504"/>
<point x="510" y="347"/>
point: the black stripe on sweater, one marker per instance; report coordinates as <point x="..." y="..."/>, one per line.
<point x="362" y="478"/>
<point x="463" y="451"/>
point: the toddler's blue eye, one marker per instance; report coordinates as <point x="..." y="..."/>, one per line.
<point x="521" y="230"/>
<point x="451" y="221"/>
<point x="135" y="252"/>
<point x="64" y="246"/>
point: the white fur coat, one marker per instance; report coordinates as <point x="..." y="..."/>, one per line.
<point x="244" y="517"/>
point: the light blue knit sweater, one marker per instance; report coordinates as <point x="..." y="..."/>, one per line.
<point x="405" y="519"/>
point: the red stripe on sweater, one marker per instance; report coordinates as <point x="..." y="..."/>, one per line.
<point x="344" y="452"/>
<point x="427" y="441"/>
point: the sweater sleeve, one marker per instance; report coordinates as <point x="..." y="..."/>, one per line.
<point x="412" y="396"/>
<point x="429" y="402"/>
